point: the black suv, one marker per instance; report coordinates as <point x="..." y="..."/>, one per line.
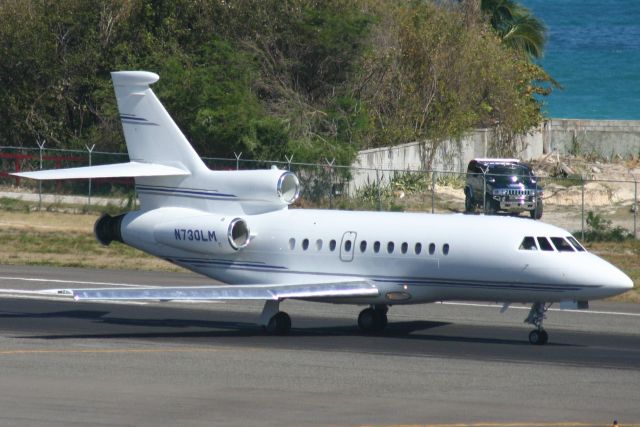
<point x="502" y="185"/>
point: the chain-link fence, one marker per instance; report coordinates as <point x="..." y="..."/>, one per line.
<point x="574" y="203"/>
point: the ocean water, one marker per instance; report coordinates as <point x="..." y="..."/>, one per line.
<point x="593" y="51"/>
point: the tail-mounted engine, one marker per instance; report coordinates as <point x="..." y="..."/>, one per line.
<point x="269" y="187"/>
<point x="205" y="234"/>
<point x="179" y="228"/>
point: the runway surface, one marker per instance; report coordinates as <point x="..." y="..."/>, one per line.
<point x="68" y="363"/>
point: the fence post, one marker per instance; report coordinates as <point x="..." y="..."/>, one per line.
<point x="582" y="209"/>
<point x="289" y="160"/>
<point x="484" y="191"/>
<point x="330" y="164"/>
<point x="90" y="150"/>
<point x="433" y="191"/>
<point x="40" y="147"/>
<point x="378" y="190"/>
<point x="237" y="159"/>
<point x="635" y="209"/>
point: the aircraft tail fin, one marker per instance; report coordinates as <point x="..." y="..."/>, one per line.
<point x="158" y="151"/>
<point x="149" y="131"/>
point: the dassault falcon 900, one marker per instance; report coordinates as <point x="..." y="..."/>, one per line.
<point x="236" y="227"/>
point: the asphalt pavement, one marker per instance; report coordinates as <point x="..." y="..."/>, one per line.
<point x="191" y="364"/>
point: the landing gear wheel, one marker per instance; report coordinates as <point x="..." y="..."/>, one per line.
<point x="279" y="324"/>
<point x="536" y="316"/>
<point x="538" y="337"/>
<point x="371" y="320"/>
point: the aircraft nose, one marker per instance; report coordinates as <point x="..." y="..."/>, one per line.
<point x="616" y="280"/>
<point x="600" y="273"/>
<point x="623" y="281"/>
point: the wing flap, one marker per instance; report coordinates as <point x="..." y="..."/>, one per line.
<point x="236" y="292"/>
<point x="116" y="170"/>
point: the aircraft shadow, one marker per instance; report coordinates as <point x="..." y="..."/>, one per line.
<point x="214" y="329"/>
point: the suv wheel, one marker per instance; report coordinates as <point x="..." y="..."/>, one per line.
<point x="537" y="212"/>
<point x="468" y="204"/>
<point x="492" y="207"/>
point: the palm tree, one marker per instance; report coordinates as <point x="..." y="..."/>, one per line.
<point x="516" y="25"/>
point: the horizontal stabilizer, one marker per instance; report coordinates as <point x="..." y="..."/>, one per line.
<point x="117" y="170"/>
<point x="237" y="292"/>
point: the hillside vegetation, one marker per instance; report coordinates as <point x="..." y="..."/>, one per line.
<point x="268" y="78"/>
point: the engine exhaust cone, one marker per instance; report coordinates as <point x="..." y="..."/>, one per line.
<point x="107" y="229"/>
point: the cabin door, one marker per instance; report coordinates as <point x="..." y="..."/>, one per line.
<point x="347" y="246"/>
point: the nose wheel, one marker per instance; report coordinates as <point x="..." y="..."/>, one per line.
<point x="538" y="337"/>
<point x="373" y="319"/>
<point x="536" y="316"/>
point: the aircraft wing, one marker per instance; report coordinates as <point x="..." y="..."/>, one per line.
<point x="116" y="170"/>
<point x="359" y="288"/>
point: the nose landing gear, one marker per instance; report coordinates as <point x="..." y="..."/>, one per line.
<point x="536" y="316"/>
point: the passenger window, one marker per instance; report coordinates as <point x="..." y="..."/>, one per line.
<point x="319" y="244"/>
<point x="332" y="245"/>
<point x="528" y="244"/>
<point x="404" y="248"/>
<point x="544" y="244"/>
<point x="347" y="246"/>
<point x="390" y="246"/>
<point x="561" y="244"/>
<point x="445" y="249"/>
<point x="575" y="244"/>
<point x="305" y="244"/>
<point x="376" y="247"/>
<point x="292" y="243"/>
<point x="363" y="246"/>
<point x="432" y="248"/>
<point x="418" y="248"/>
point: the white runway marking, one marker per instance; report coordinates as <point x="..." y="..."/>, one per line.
<point x="471" y="304"/>
<point x="77" y="282"/>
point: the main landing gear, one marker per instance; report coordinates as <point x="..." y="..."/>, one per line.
<point x="373" y="319"/>
<point x="536" y="316"/>
<point x="276" y="322"/>
<point x="273" y="320"/>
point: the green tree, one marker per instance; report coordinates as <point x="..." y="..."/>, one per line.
<point x="516" y="25"/>
<point x="436" y="74"/>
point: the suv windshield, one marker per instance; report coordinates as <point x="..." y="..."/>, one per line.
<point x="504" y="173"/>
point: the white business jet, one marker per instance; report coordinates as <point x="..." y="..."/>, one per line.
<point x="236" y="227"/>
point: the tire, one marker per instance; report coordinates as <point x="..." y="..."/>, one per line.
<point x="492" y="207"/>
<point x="371" y="320"/>
<point x="537" y="212"/>
<point x="538" y="337"/>
<point x="279" y="324"/>
<point x="468" y="205"/>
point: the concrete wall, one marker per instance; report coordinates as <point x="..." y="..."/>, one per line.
<point x="600" y="138"/>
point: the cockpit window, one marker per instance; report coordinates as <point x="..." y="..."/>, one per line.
<point x="528" y="244"/>
<point x="575" y="244"/>
<point x="544" y="244"/>
<point x="562" y="245"/>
